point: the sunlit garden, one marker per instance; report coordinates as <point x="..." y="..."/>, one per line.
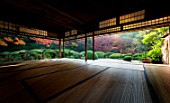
<point x="128" y="46"/>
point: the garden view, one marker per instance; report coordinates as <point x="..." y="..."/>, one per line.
<point x="127" y="46"/>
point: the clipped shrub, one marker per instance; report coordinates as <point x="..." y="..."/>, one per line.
<point x="107" y="54"/>
<point x="66" y="52"/>
<point x="31" y="58"/>
<point x="18" y="59"/>
<point x="56" y="52"/>
<point x="90" y="54"/>
<point x="115" y="56"/>
<point x="38" y="56"/>
<point x="47" y="56"/>
<point x="2" y="59"/>
<point x="137" y="56"/>
<point x="36" y="53"/>
<point x="36" y="50"/>
<point x="127" y="58"/>
<point x="77" y="56"/>
<point x="5" y="53"/>
<point x="14" y="56"/>
<point x="72" y="52"/>
<point x="128" y="54"/>
<point x="100" y="54"/>
<point x="71" y="57"/>
<point x="50" y="53"/>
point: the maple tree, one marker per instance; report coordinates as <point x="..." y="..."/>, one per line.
<point x="43" y="41"/>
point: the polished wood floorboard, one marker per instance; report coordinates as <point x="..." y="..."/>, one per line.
<point x="74" y="81"/>
<point x="159" y="76"/>
<point x="15" y="93"/>
<point x="111" y="86"/>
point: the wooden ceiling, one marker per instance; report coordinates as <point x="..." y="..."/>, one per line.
<point x="59" y="16"/>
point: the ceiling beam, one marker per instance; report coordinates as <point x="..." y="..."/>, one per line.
<point x="51" y="19"/>
<point x="63" y="13"/>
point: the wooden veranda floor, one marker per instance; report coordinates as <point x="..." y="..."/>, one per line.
<point x="159" y="77"/>
<point x="74" y="81"/>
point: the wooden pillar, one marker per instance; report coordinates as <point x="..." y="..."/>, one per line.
<point x="86" y="47"/>
<point x="59" y="47"/>
<point x="63" y="49"/>
<point x="93" y="46"/>
<point x="169" y="47"/>
<point x="8" y="34"/>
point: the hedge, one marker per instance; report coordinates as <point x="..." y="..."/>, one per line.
<point x="115" y="56"/>
<point x="100" y="54"/>
<point x="90" y="54"/>
<point x="127" y="58"/>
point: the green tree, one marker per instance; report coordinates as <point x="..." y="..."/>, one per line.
<point x="153" y="38"/>
<point x="138" y="45"/>
<point x="73" y="45"/>
<point x="53" y="46"/>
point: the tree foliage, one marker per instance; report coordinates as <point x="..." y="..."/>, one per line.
<point x="147" y="42"/>
<point x="153" y="38"/>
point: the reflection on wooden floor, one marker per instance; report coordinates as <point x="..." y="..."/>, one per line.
<point x="159" y="76"/>
<point x="74" y="81"/>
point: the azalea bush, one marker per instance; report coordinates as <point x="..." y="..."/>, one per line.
<point x="128" y="54"/>
<point x="50" y="53"/>
<point x="100" y="54"/>
<point x="107" y="54"/>
<point x="115" y="56"/>
<point x="90" y="54"/>
<point x="127" y="58"/>
<point x="137" y="56"/>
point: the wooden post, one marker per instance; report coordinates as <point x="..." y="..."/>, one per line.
<point x="9" y="48"/>
<point x="86" y="55"/>
<point x="93" y="46"/>
<point x="42" y="55"/>
<point x="63" y="49"/>
<point x="169" y="47"/>
<point x="59" y="47"/>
